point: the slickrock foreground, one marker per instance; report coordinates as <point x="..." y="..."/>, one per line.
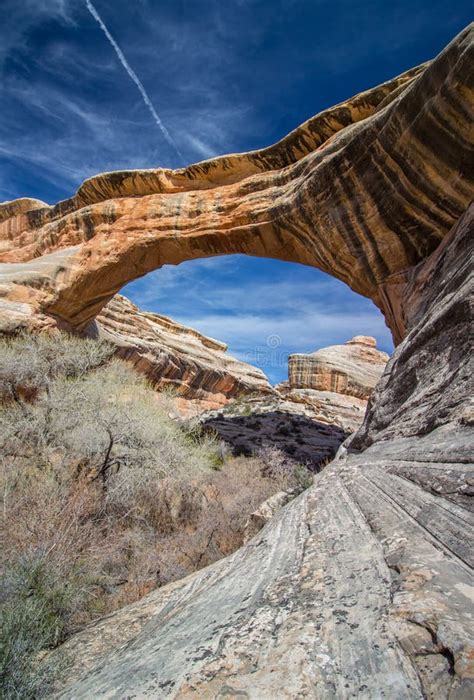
<point x="197" y="369"/>
<point x="362" y="586"/>
<point x="363" y="191"/>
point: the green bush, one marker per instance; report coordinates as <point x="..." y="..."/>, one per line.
<point x="38" y="602"/>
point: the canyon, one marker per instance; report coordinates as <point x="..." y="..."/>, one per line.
<point x="310" y="415"/>
<point x="361" y="586"/>
<point x="364" y="191"/>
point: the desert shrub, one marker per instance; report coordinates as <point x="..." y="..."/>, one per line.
<point x="39" y="600"/>
<point x="223" y="501"/>
<point x="29" y="363"/>
<point x="284" y="471"/>
<point x="24" y="633"/>
<point x="104" y="495"/>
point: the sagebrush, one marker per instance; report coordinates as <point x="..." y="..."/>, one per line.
<point x="104" y="495"/>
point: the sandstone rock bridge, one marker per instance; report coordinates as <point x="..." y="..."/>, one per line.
<point x="363" y="191"/>
<point x="362" y="587"/>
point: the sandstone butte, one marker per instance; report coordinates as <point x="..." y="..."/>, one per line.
<point x="353" y="368"/>
<point x="198" y="369"/>
<point x="362" y="586"/>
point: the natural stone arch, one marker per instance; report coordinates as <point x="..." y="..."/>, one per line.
<point x="360" y="586"/>
<point x="358" y="191"/>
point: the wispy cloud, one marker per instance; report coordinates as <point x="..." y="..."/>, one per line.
<point x="63" y="120"/>
<point x="227" y="76"/>
<point x="18" y="18"/>
<point x="131" y="73"/>
<point x="63" y="158"/>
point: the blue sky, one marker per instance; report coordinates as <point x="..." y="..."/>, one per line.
<point x="222" y="76"/>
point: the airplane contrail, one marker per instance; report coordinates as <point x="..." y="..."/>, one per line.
<point x="131" y="73"/>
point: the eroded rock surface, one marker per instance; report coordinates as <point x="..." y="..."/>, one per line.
<point x="310" y="415"/>
<point x="265" y="512"/>
<point x="197" y="368"/>
<point x="300" y="429"/>
<point x="326" y="406"/>
<point x="353" y="368"/>
<point x="372" y="593"/>
<point x="363" y="191"/>
<point x="362" y="586"/>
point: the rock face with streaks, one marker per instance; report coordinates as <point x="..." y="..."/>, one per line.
<point x="197" y="369"/>
<point x="362" y="586"/>
<point x="363" y="191"/>
<point x="353" y="368"/>
<point x="342" y="410"/>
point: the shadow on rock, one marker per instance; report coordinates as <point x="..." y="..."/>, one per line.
<point x="304" y="440"/>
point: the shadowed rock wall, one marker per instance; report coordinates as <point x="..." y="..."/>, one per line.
<point x="361" y="587"/>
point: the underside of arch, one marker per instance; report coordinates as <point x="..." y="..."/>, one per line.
<point x="359" y="191"/>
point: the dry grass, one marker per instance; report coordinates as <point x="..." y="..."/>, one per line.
<point x="104" y="496"/>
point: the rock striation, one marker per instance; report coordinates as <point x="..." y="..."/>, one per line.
<point x="196" y="368"/>
<point x="363" y="191"/>
<point x="362" y="586"/>
<point x="353" y="368"/>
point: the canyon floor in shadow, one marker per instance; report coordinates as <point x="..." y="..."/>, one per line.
<point x="301" y="438"/>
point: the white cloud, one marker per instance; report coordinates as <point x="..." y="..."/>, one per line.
<point x="52" y="129"/>
<point x="245" y="302"/>
<point x="298" y="333"/>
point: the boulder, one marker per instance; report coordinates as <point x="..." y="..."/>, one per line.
<point x="264" y="513"/>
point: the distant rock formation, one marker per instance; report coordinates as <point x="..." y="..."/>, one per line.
<point x="309" y="416"/>
<point x="353" y="368"/>
<point x="300" y="429"/>
<point x="17" y="207"/>
<point x="362" y="586"/>
<point x="197" y="368"/>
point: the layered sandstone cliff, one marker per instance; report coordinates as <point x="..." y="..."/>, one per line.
<point x="196" y="368"/>
<point x="362" y="586"/>
<point x="310" y="415"/>
<point x="353" y="368"/>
